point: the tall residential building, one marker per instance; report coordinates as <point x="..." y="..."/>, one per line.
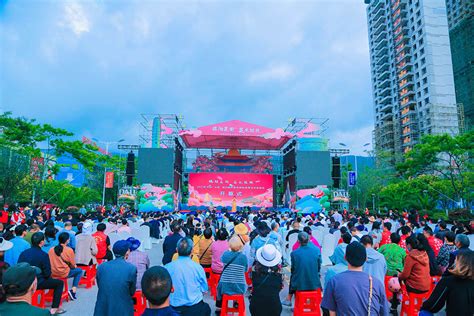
<point x="461" y="34"/>
<point x="412" y="75"/>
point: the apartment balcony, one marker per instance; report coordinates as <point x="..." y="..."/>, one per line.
<point x="398" y="4"/>
<point x="382" y="60"/>
<point x="382" y="67"/>
<point x="381" y="44"/>
<point x="382" y="27"/>
<point x="381" y="76"/>
<point x="377" y="14"/>
<point x="404" y="65"/>
<point x="381" y="36"/>
<point x="409" y="109"/>
<point x="410" y="119"/>
<point x="376" y="22"/>
<point x="379" y="5"/>
<point x="385" y="91"/>
<point x="399" y="29"/>
<point x="404" y="74"/>
<point x="382" y="51"/>
<point x="386" y="99"/>
<point x="386" y="116"/>
<point x="406" y="93"/>
<point x="402" y="48"/>
<point x="405" y="83"/>
<point x="386" y="107"/>
<point x="404" y="56"/>
<point x="384" y="83"/>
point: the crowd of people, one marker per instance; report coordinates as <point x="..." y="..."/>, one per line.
<point x="249" y="253"/>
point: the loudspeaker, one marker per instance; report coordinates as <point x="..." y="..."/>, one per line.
<point x="336" y="172"/>
<point x="130" y="170"/>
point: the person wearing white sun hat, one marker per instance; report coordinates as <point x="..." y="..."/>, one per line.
<point x="4" y="246"/>
<point x="267" y="282"/>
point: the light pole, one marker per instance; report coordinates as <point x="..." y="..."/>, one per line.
<point x="373" y="202"/>
<point x="107" y="144"/>
<point x="426" y="191"/>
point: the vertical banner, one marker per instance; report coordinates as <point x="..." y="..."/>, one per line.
<point x="109" y="180"/>
<point x="352" y="178"/>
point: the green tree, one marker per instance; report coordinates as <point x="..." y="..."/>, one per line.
<point x="446" y="157"/>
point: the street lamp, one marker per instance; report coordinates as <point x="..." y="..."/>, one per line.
<point x="373" y="202"/>
<point x="107" y="144"/>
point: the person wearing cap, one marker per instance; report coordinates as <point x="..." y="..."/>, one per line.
<point x="116" y="280"/>
<point x="86" y="247"/>
<point x="305" y="268"/>
<point x="241" y="231"/>
<point x="267" y="282"/>
<point x="36" y="257"/>
<point x="138" y="258"/>
<point x="232" y="280"/>
<point x="189" y="282"/>
<point x="19" y="283"/>
<point x="4" y="246"/>
<point x="353" y="292"/>
<point x="157" y="286"/>
<point x="19" y="245"/>
<point x="170" y="242"/>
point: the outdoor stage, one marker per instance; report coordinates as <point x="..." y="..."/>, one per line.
<point x="231" y="165"/>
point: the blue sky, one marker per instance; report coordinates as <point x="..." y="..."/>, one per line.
<point x="93" y="66"/>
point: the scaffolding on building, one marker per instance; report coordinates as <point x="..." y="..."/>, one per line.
<point x="444" y="119"/>
<point x="160" y="130"/>
<point x="298" y="124"/>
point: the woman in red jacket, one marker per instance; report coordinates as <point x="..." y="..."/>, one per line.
<point x="416" y="272"/>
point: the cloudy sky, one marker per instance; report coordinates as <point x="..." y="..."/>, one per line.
<point x="93" y="66"/>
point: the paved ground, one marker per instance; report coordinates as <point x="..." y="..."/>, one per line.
<point x="84" y="305"/>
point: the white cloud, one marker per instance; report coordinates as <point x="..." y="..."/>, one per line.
<point x="277" y="72"/>
<point x="75" y="18"/>
<point x="354" y="139"/>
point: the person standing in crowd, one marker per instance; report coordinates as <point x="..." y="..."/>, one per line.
<point x="36" y="257"/>
<point x="263" y="238"/>
<point x="456" y="291"/>
<point x="394" y="255"/>
<point x="189" y="282"/>
<point x="375" y="266"/>
<point x="103" y="243"/>
<point x="218" y="248"/>
<point x="124" y="228"/>
<point x="434" y="269"/>
<point x="232" y="280"/>
<point x="387" y="227"/>
<point x="157" y="286"/>
<point x="267" y="282"/>
<point x="446" y="249"/>
<point x="116" y="281"/>
<point x="34" y="228"/>
<point x="375" y="233"/>
<point x="170" y="242"/>
<point x="138" y="258"/>
<point x="19" y="283"/>
<point x="305" y="267"/>
<point x="242" y="232"/>
<point x="68" y="229"/>
<point x="462" y="244"/>
<point x="19" y="245"/>
<point x="205" y="251"/>
<point x="86" y="248"/>
<point x="406" y="232"/>
<point x="63" y="264"/>
<point x="354" y="292"/>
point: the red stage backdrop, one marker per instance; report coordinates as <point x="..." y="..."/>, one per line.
<point x="243" y="189"/>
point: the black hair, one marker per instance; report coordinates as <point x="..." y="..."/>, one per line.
<point x="367" y="240"/>
<point x="303" y="238"/>
<point x="395" y="238"/>
<point x="414" y="242"/>
<point x="222" y="234"/>
<point x="207" y="233"/>
<point x="346" y="238"/>
<point x="36" y="239"/>
<point x="62" y="238"/>
<point x="443" y="225"/>
<point x="101" y="227"/>
<point x="50" y="232"/>
<point x="388" y="225"/>
<point x="184" y="247"/>
<point x="343" y="230"/>
<point x="376" y="225"/>
<point x="428" y="230"/>
<point x="20" y="229"/>
<point x="450" y="236"/>
<point x="263" y="229"/>
<point x="405" y="230"/>
<point x="156" y="285"/>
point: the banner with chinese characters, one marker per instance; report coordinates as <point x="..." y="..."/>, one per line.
<point x="109" y="180"/>
<point x="227" y="189"/>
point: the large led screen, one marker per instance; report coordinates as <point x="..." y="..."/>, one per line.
<point x="226" y="189"/>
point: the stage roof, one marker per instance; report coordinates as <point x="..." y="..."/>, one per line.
<point x="235" y="135"/>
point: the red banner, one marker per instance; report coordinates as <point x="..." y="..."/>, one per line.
<point x="241" y="189"/>
<point x="109" y="180"/>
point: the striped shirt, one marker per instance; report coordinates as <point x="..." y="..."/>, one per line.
<point x="233" y="277"/>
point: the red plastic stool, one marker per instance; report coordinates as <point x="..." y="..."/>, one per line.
<point x="411" y="303"/>
<point x="48" y="298"/>
<point x="226" y="309"/>
<point x="139" y="303"/>
<point x="308" y="303"/>
<point x="89" y="279"/>
<point x="38" y="298"/>
<point x="213" y="282"/>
